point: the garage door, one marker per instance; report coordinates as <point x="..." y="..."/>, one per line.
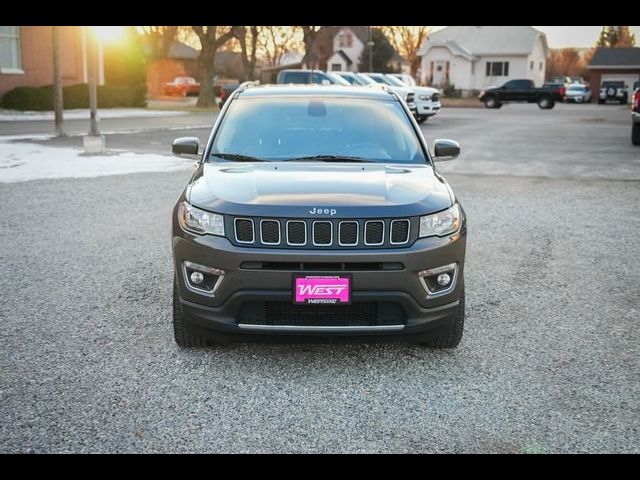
<point x="628" y="79"/>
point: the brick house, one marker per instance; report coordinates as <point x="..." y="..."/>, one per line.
<point x="26" y="56"/>
<point x="611" y="64"/>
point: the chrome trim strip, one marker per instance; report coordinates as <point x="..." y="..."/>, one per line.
<point x="357" y="233"/>
<point x="365" y="233"/>
<point x="253" y="229"/>
<point x="203" y="269"/>
<point x="408" y="232"/>
<point x="321" y="328"/>
<point x="279" y="235"/>
<point x="313" y="233"/>
<point x="436" y="271"/>
<point x="305" y="232"/>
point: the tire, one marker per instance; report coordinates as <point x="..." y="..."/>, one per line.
<point x="635" y="134"/>
<point x="422" y="118"/>
<point x="546" y="103"/>
<point x="181" y="332"/>
<point x="491" y="102"/>
<point x="452" y="338"/>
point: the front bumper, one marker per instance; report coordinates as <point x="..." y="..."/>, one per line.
<point x="242" y="285"/>
<point x="428" y="109"/>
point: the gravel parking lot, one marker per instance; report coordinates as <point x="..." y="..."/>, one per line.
<point x="550" y="360"/>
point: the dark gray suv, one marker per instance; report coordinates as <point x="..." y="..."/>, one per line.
<point x="317" y="211"/>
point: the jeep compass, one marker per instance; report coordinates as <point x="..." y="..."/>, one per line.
<point x="317" y="211"/>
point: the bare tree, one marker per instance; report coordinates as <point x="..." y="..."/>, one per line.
<point x="309" y="34"/>
<point x="407" y="41"/>
<point x="211" y="39"/>
<point x="160" y="39"/>
<point x="275" y="42"/>
<point x="248" y="52"/>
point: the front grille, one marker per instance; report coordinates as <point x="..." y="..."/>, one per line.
<point x="244" y="230"/>
<point x="330" y="233"/>
<point x="322" y="233"/>
<point x="374" y="233"/>
<point x="367" y="314"/>
<point x="348" y="233"/>
<point x="270" y="232"/>
<point x="400" y="231"/>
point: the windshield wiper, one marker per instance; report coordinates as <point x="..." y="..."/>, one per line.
<point x="236" y="157"/>
<point x="328" y="158"/>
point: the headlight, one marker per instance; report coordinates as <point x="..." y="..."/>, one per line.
<point x="424" y="98"/>
<point x="194" y="220"/>
<point x="441" y="224"/>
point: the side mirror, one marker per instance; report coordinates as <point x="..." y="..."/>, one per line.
<point x="444" y="150"/>
<point x="185" y="146"/>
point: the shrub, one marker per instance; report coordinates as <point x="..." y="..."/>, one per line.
<point x="75" y="96"/>
<point x="449" y="91"/>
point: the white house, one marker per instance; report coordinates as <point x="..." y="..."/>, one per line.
<point x="473" y="58"/>
<point x="348" y="44"/>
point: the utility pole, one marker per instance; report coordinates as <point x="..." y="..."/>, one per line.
<point x="58" y="104"/>
<point x="94" y="142"/>
<point x="370" y="51"/>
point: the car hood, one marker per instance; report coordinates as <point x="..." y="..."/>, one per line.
<point x="425" y="90"/>
<point x="347" y="190"/>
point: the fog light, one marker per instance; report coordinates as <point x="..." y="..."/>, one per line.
<point x="197" y="278"/>
<point x="443" y="279"/>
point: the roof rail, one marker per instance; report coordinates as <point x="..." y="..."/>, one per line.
<point x="245" y="85"/>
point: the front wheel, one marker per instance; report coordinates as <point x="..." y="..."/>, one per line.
<point x="183" y="335"/>
<point x="635" y="134"/>
<point x="491" y="102"/>
<point x="422" y="118"/>
<point x="452" y="338"/>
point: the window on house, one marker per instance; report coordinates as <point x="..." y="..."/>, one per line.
<point x="497" y="69"/>
<point x="541" y="66"/>
<point x="336" y="67"/>
<point x="345" y="40"/>
<point x="439" y="68"/>
<point x="531" y="65"/>
<point x="10" y="48"/>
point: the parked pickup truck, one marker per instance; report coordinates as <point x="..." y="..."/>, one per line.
<point x="518" y="91"/>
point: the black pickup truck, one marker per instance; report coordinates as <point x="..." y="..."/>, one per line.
<point x="519" y="91"/>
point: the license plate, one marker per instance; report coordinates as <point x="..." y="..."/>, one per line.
<point x="322" y="289"/>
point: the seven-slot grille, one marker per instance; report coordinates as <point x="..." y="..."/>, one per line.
<point x="329" y="233"/>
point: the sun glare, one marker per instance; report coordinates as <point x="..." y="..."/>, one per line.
<point x="109" y="34"/>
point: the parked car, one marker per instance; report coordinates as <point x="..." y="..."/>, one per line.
<point x="635" y="117"/>
<point x="182" y="86"/>
<point x="305" y="77"/>
<point x="318" y="211"/>
<point x="613" y="91"/>
<point x="578" y="93"/>
<point x="224" y="91"/>
<point x="518" y="91"/>
<point x="353" y="78"/>
<point x="408" y="80"/>
<point x="407" y="93"/>
<point x="559" y="90"/>
<point x="427" y="99"/>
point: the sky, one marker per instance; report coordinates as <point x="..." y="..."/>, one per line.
<point x="560" y="37"/>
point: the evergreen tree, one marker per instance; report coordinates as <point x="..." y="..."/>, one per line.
<point x="383" y="53"/>
<point x="616" y="37"/>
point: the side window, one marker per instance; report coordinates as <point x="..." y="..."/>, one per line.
<point x="319" y="77"/>
<point x="296" y="77"/>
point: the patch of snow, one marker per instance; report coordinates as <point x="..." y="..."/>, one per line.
<point x="22" y="162"/>
<point x="83" y="114"/>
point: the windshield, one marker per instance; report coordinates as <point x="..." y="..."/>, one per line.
<point x="394" y="81"/>
<point x="337" y="79"/>
<point x="327" y="129"/>
<point x="576" y="88"/>
<point x="379" y="78"/>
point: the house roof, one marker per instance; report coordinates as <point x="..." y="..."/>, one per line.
<point x="345" y="57"/>
<point x="615" y="57"/>
<point x="470" y="41"/>
<point x="179" y="50"/>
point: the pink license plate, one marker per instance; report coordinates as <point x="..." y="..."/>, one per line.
<point x="316" y="289"/>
